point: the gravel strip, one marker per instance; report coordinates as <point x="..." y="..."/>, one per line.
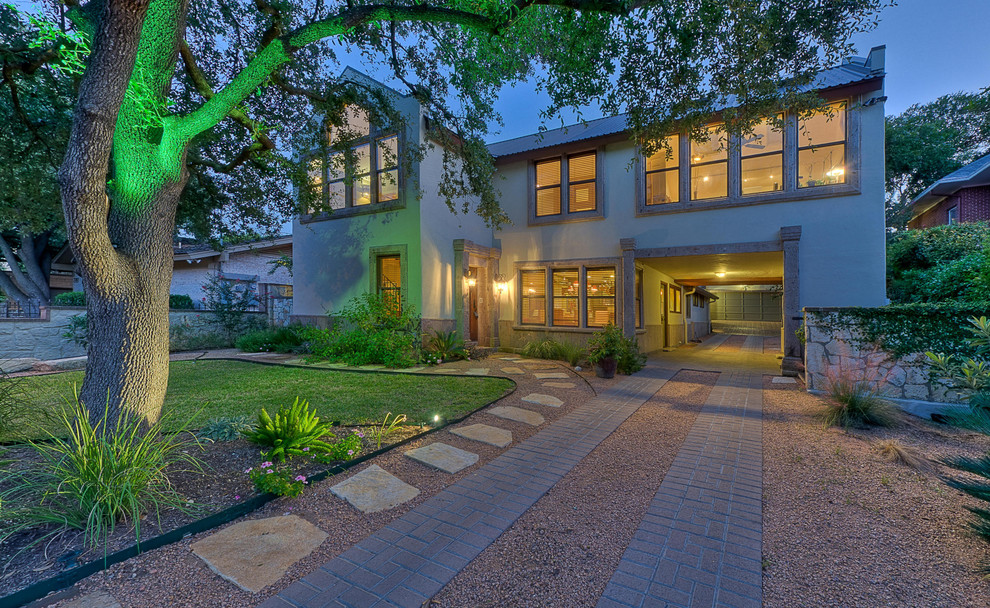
<point x="842" y="526"/>
<point x="563" y="551"/>
<point x="172" y="576"/>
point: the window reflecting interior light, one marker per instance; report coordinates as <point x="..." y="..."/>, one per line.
<point x="836" y="172"/>
<point x="720" y="274"/>
<point x="706" y="178"/>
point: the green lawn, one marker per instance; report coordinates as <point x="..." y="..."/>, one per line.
<point x="198" y="391"/>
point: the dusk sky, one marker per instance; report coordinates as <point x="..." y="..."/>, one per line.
<point x="934" y="47"/>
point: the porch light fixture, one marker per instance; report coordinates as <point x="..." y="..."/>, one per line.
<point x="500" y="284"/>
<point x="470" y="279"/>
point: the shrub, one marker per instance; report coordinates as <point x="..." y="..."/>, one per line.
<point x="344" y="449"/>
<point x="228" y="300"/>
<point x="446" y="345"/>
<point x="294" y="431"/>
<point x="278" y="340"/>
<point x="77" y="330"/>
<point x="856" y="402"/>
<point x="11" y="405"/>
<point x="970" y="376"/>
<point x="225" y="429"/>
<point x="979" y="467"/>
<point x="180" y="301"/>
<point x="609" y="343"/>
<point x="895" y="451"/>
<point x="276" y="479"/>
<point x="548" y="348"/>
<point x="371" y="329"/>
<point x="70" y="298"/>
<point x="94" y="479"/>
<point x="939" y="264"/>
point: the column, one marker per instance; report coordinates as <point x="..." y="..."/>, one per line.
<point x="628" y="247"/>
<point x="790" y="237"/>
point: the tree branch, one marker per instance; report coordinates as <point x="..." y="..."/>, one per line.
<point x="23" y="283"/>
<point x="29" y="258"/>
<point x="246" y="154"/>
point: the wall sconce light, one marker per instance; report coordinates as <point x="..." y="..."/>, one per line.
<point x="470" y="278"/>
<point x="500" y="284"/>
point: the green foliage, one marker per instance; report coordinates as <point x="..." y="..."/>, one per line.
<point x="928" y="141"/>
<point x="344" y="449"/>
<point x="943" y="263"/>
<point x="277" y="479"/>
<point x="381" y="431"/>
<point x="277" y="340"/>
<point x="371" y="329"/>
<point x="228" y="300"/>
<point x="180" y="301"/>
<point x="227" y="428"/>
<point x="294" y="431"/>
<point x="70" y="298"/>
<point x="548" y="348"/>
<point x="902" y="329"/>
<point x="12" y="404"/>
<point x="856" y="401"/>
<point x="77" y="330"/>
<point x="95" y="478"/>
<point x="800" y="335"/>
<point x="182" y="337"/>
<point x="609" y="343"/>
<point x="970" y="375"/>
<point x="446" y="345"/>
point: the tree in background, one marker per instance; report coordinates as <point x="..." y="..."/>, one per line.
<point x="192" y="95"/>
<point x="928" y="141"/>
<point x="940" y="264"/>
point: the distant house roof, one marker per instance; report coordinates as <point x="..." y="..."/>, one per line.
<point x="976" y="173"/>
<point x="190" y="251"/>
<point x="853" y="71"/>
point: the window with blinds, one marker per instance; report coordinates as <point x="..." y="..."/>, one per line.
<point x="533" y="297"/>
<point x="581" y="177"/>
<point x="566" y="185"/>
<point x="548" y="188"/>
<point x="566" y="292"/>
<point x="639" y="298"/>
<point x="600" y="296"/>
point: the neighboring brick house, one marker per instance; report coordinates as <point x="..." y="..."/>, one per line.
<point x="960" y="197"/>
<point x="601" y="234"/>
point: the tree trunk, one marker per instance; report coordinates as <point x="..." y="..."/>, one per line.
<point x="128" y="315"/>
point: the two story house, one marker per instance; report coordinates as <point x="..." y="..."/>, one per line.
<point x="960" y="197"/>
<point x="601" y="234"/>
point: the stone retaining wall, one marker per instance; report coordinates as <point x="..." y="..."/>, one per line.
<point x="42" y="338"/>
<point x="833" y="352"/>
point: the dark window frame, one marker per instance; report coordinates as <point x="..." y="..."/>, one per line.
<point x="588" y="297"/>
<point x="844" y="142"/>
<point x="565" y="214"/>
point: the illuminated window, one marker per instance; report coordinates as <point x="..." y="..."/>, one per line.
<point x="533" y="297"/>
<point x="600" y="296"/>
<point x="579" y="172"/>
<point x="566" y="292"/>
<point x="639" y="298"/>
<point x="762" y="160"/>
<point x="709" y="165"/>
<point x="663" y="175"/>
<point x="390" y="280"/>
<point x="822" y="147"/>
<point x="674" y="299"/>
<point x="363" y="169"/>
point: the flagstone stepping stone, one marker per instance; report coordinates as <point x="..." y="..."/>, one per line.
<point x="518" y="414"/>
<point x="559" y="384"/>
<point x="477" y="371"/>
<point x="783" y="380"/>
<point x="513" y="370"/>
<point x="550" y="376"/>
<point x="96" y="599"/>
<point x="541" y="399"/>
<point x="511" y="358"/>
<point x="254" y="554"/>
<point x="410" y="370"/>
<point x="491" y="435"/>
<point x="374" y="489"/>
<point x="372" y="367"/>
<point x="445" y="457"/>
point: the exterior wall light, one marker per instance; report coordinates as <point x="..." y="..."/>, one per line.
<point x="720" y="274"/>
<point x="470" y="278"/>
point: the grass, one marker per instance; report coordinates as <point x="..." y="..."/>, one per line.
<point x="856" y="402"/>
<point x="203" y="390"/>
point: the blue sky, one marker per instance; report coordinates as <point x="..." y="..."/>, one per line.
<point x="934" y="47"/>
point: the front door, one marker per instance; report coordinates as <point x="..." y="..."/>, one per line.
<point x="473" y="311"/>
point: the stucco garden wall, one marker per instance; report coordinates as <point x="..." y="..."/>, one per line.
<point x="42" y="338"/>
<point x="835" y="345"/>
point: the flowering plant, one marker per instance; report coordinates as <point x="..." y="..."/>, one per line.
<point x="345" y="449"/>
<point x="276" y="479"/>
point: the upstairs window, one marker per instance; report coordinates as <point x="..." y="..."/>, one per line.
<point x="366" y="172"/>
<point x="566" y="185"/>
<point x="709" y="165"/>
<point x="762" y="160"/>
<point x="663" y="176"/>
<point x="533" y="297"/>
<point x="822" y="148"/>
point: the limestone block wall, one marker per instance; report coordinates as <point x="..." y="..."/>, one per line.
<point x="831" y="351"/>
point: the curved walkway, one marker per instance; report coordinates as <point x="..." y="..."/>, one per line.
<point x="699" y="543"/>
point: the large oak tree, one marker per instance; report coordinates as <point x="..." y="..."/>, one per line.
<point x="164" y="78"/>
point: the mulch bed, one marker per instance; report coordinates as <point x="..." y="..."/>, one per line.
<point x="563" y="551"/>
<point x="843" y="526"/>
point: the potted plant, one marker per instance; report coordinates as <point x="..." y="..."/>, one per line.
<point x="604" y="349"/>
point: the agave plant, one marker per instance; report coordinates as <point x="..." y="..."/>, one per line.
<point x="446" y="345"/>
<point x="293" y="431"/>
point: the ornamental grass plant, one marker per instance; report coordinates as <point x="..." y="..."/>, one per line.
<point x="856" y="400"/>
<point x="94" y="477"/>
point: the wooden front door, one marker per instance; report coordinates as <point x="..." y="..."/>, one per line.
<point x="473" y="312"/>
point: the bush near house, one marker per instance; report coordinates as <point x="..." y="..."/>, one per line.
<point x="548" y="348"/>
<point x="70" y="298"/>
<point x="273" y="340"/>
<point x="371" y="329"/>
<point x="943" y="263"/>
<point x="180" y="301"/>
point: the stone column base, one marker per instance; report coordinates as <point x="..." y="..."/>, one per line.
<point x="791" y="366"/>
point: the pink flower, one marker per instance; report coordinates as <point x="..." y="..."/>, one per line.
<point x="237" y="497"/>
<point x="249" y="470"/>
<point x="306" y="449"/>
<point x="270" y="471"/>
<point x="301" y="478"/>
<point x="266" y="464"/>
<point x="350" y="452"/>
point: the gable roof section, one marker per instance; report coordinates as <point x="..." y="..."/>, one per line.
<point x="854" y="70"/>
<point x="976" y="173"/>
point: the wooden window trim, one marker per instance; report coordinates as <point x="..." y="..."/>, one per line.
<point x="566" y="215"/>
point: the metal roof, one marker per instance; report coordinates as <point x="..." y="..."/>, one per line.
<point x="854" y="70"/>
<point x="976" y="173"/>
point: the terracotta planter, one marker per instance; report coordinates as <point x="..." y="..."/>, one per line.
<point x="606" y="368"/>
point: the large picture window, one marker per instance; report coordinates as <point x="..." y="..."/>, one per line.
<point x="822" y="147"/>
<point x="566" y="293"/>
<point x="663" y="176"/>
<point x="365" y="173"/>
<point x="709" y="165"/>
<point x="762" y="158"/>
<point x="601" y="296"/>
<point x="533" y="297"/>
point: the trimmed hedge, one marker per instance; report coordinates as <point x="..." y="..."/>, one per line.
<point x="902" y="329"/>
<point x="180" y="301"/>
<point x="71" y="298"/>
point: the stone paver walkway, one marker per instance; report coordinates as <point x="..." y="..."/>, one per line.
<point x="700" y="541"/>
<point x="413" y="557"/>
